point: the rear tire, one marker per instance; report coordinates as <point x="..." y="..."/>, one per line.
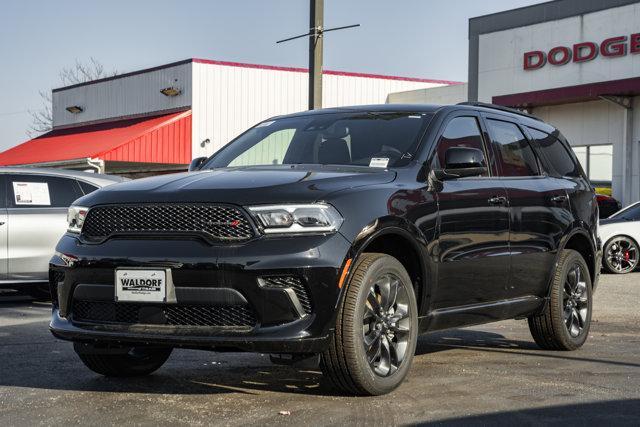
<point x="372" y="347"/>
<point x="566" y="319"/>
<point x="130" y="362"/>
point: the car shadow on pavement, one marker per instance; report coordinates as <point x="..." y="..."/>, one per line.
<point x="31" y="358"/>
<point x="474" y="340"/>
<point x="613" y="412"/>
<point x="468" y="338"/>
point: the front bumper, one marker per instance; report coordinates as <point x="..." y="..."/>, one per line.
<point x="209" y="276"/>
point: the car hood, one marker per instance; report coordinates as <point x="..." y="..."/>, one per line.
<point x="241" y="185"/>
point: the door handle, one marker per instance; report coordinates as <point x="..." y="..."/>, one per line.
<point x="559" y="199"/>
<point x="497" y="200"/>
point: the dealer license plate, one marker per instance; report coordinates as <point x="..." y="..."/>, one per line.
<point x="141" y="285"/>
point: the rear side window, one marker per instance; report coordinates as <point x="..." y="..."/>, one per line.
<point x="515" y="155"/>
<point x="460" y="132"/>
<point x="38" y="191"/>
<point x="631" y="214"/>
<point x="87" y="188"/>
<point x="556" y="157"/>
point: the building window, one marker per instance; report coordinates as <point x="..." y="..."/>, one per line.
<point x="597" y="161"/>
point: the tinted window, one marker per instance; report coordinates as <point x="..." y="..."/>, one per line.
<point x="87" y="188"/>
<point x="632" y="213"/>
<point x="41" y="191"/>
<point x="514" y="153"/>
<point x="557" y="159"/>
<point x="460" y="132"/>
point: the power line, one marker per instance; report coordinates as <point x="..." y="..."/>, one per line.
<point x="315" y="35"/>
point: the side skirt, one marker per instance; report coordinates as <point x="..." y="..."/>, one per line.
<point x="477" y="314"/>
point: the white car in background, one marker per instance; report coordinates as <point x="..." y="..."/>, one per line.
<point x="33" y="216"/>
<point x="620" y="235"/>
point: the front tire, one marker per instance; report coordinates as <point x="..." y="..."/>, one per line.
<point x="621" y="255"/>
<point x="566" y="319"/>
<point x="374" y="341"/>
<point x="126" y="362"/>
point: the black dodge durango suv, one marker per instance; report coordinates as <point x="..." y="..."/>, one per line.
<point x="337" y="235"/>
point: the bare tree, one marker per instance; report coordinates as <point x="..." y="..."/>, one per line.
<point x="80" y="72"/>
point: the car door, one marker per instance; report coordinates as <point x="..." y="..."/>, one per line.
<point x="37" y="218"/>
<point x="3" y="229"/>
<point x="472" y="246"/>
<point x="538" y="208"/>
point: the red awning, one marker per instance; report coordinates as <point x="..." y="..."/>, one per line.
<point x="571" y="94"/>
<point x="160" y="139"/>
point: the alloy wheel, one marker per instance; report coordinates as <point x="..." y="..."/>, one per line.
<point x="575" y="300"/>
<point x="386" y="324"/>
<point x="622" y="255"/>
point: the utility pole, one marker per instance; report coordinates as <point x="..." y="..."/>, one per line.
<point x="316" y="22"/>
<point x="315" y="34"/>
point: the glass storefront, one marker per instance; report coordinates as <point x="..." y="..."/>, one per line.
<point x="597" y="161"/>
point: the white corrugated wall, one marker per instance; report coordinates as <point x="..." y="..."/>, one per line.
<point x="229" y="99"/>
<point x="124" y="96"/>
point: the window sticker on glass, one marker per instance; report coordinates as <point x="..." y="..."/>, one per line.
<point x="379" y="162"/>
<point x="263" y="124"/>
<point x="31" y="193"/>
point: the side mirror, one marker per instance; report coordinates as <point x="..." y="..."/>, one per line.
<point x="461" y="162"/>
<point x="196" y="163"/>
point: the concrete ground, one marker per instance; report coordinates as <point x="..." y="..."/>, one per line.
<point x="492" y="374"/>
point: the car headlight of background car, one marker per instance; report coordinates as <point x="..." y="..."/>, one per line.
<point x="296" y="219"/>
<point x="75" y="218"/>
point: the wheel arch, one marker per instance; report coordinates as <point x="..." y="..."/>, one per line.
<point x="403" y="242"/>
<point x="580" y="242"/>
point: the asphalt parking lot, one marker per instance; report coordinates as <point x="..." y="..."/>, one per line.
<point x="480" y="375"/>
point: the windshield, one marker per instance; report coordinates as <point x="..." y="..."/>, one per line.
<point x="359" y="139"/>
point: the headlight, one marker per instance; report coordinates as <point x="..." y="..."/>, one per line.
<point x="75" y="218"/>
<point x="314" y="218"/>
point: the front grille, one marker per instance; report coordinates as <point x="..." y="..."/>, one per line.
<point x="55" y="277"/>
<point x="215" y="222"/>
<point x="156" y="314"/>
<point x="295" y="283"/>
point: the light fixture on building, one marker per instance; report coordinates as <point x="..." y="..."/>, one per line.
<point x="170" y="91"/>
<point x="205" y="142"/>
<point x="74" y="109"/>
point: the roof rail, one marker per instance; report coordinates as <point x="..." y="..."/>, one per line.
<point x="501" y="108"/>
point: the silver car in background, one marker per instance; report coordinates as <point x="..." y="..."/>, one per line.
<point x="33" y="217"/>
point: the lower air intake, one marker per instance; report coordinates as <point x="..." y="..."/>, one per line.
<point x="230" y="316"/>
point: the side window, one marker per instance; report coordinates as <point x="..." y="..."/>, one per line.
<point x="556" y="157"/>
<point x="514" y="153"/>
<point x="40" y="191"/>
<point x="87" y="188"/>
<point x="270" y="151"/>
<point x="460" y="132"/>
<point x="630" y="214"/>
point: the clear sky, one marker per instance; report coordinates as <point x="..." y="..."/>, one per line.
<point x="415" y="38"/>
